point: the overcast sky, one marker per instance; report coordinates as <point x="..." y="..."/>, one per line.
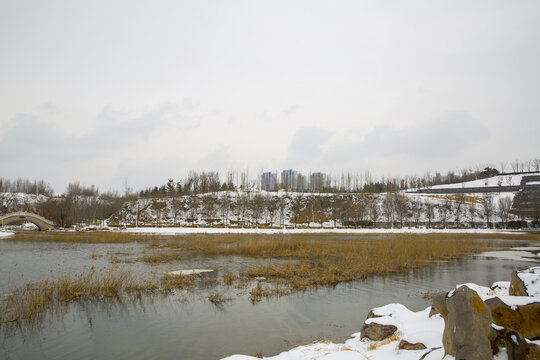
<point x="101" y="91"/>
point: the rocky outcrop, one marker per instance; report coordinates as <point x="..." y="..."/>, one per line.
<point x="525" y="319"/>
<point x="517" y="347"/>
<point x="517" y="287"/>
<point x="525" y="282"/>
<point x="377" y="332"/>
<point x="467" y="332"/>
<point x="405" y="345"/>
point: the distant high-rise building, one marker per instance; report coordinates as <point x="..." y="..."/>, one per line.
<point x="289" y="179"/>
<point x="317" y="182"/>
<point x="268" y="181"/>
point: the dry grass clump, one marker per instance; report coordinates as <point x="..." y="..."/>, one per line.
<point x="264" y="291"/>
<point x="29" y="302"/>
<point x="229" y="278"/>
<point x="156" y="257"/>
<point x="378" y="344"/>
<point x="177" y="282"/>
<point x="218" y="298"/>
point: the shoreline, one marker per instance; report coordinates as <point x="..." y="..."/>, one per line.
<point x="203" y="230"/>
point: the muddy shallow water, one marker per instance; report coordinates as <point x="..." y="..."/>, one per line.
<point x="186" y="325"/>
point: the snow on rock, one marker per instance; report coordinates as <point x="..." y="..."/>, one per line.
<point x="482" y="291"/>
<point x="6" y="233"/>
<point x="500" y="287"/>
<point x="515" y="301"/>
<point x="531" y="280"/>
<point x="413" y="327"/>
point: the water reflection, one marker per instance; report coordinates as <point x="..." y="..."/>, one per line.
<point x="186" y="325"/>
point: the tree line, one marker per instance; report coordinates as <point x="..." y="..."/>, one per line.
<point x="339" y="209"/>
<point x="234" y="180"/>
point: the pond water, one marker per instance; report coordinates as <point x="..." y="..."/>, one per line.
<point x="185" y="325"/>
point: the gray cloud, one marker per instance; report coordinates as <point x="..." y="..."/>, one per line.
<point x="37" y="149"/>
<point x="449" y="135"/>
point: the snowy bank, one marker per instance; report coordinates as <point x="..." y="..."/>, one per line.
<point x="209" y="230"/>
<point x="6" y="233"/>
<point x="395" y="332"/>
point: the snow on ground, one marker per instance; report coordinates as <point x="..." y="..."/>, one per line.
<point x="412" y="326"/>
<point x="502" y="180"/>
<point x="208" y="230"/>
<point x="6" y="233"/>
<point x="511" y="255"/>
<point x="188" y="271"/>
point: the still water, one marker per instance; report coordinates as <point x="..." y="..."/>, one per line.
<point x="186" y="325"/>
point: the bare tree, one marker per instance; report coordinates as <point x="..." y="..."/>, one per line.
<point x="282" y="206"/>
<point x="504" y="206"/>
<point x="296" y="207"/>
<point x="272" y="207"/>
<point x="372" y="204"/>
<point x="487" y="207"/>
<point x="335" y="205"/>
<point x="158" y="206"/>
<point x="416" y="210"/>
<point x="320" y="208"/>
<point x="193" y="203"/>
<point x="402" y="207"/>
<point x="471" y="210"/>
<point x="209" y="207"/>
<point x="429" y="208"/>
<point x="388" y="208"/>
<point x="459" y="205"/>
<point x="178" y="207"/>
<point x="445" y="210"/>
<point x="257" y="206"/>
<point x="224" y="204"/>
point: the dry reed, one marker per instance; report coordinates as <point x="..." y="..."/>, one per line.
<point x="32" y="301"/>
<point x="88" y="237"/>
<point x="229" y="278"/>
<point x="323" y="260"/>
<point x="218" y="298"/>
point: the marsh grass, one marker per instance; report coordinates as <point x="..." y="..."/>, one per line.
<point x="218" y="298"/>
<point x="88" y="237"/>
<point x="278" y="288"/>
<point x="325" y="260"/>
<point x="229" y="278"/>
<point x="157" y="257"/>
<point x="29" y="303"/>
<point x="177" y="282"/>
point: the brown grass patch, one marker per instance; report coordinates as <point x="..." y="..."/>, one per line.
<point x="29" y="303"/>
<point x="156" y="257"/>
<point x="260" y="291"/>
<point x="89" y="237"/>
<point x="378" y="344"/>
<point x="177" y="282"/>
<point x="327" y="260"/>
<point x="229" y="278"/>
<point x="218" y="298"/>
